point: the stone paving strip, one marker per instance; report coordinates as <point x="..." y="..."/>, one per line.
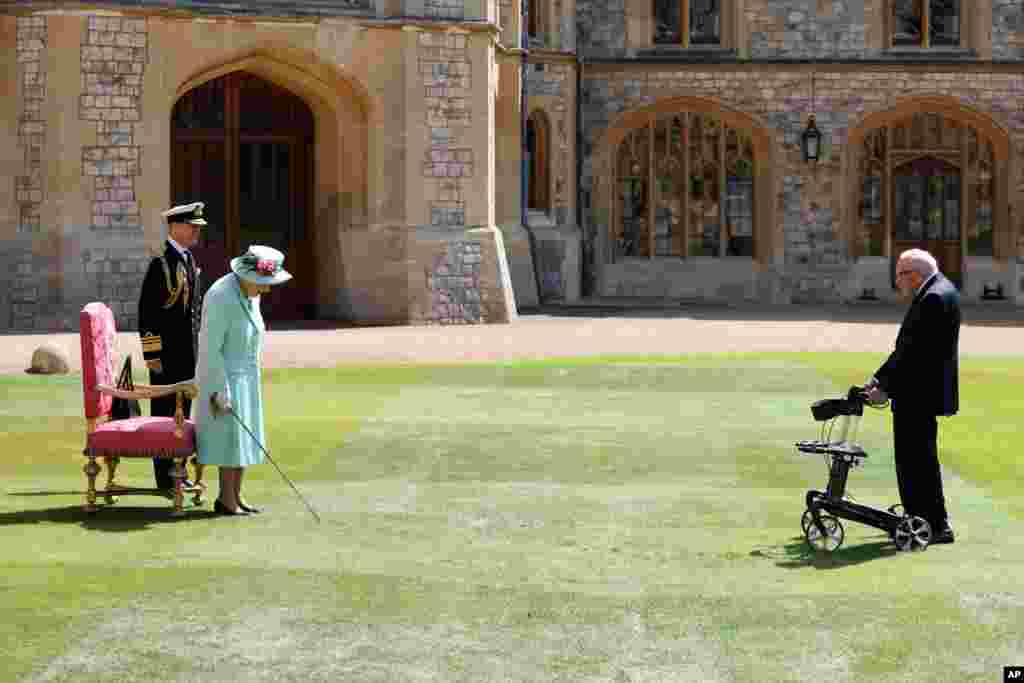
<point x="541" y="336"/>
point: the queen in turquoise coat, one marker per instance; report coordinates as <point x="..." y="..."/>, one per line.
<point x="228" y="373"/>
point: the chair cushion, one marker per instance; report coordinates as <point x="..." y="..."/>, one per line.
<point x="143" y="437"/>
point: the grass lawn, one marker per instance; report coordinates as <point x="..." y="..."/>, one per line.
<point x="600" y="519"/>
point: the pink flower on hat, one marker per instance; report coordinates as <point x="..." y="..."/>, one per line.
<point x="266" y="267"/>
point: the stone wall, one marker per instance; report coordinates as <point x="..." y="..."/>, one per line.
<point x="31" y="49"/>
<point x="454" y="285"/>
<point x="600" y="26"/>
<point x="444" y="9"/>
<point x="249" y="8"/>
<point x="806" y="28"/>
<point x="808" y="207"/>
<point x="1008" y="29"/>
<point x="113" y="64"/>
<point x="447" y="79"/>
<point x="551" y="87"/>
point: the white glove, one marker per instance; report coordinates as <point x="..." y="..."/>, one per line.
<point x="219" y="404"/>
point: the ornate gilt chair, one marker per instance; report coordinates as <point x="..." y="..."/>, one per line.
<point x="137" y="437"/>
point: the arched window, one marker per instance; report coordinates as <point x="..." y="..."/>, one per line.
<point x="928" y="182"/>
<point x="538" y="148"/>
<point x="926" y="23"/>
<point x="698" y="175"/>
<point x="686" y="23"/>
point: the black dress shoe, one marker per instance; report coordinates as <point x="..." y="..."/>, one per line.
<point x="249" y="508"/>
<point x="222" y="509"/>
<point x="944" y="536"/>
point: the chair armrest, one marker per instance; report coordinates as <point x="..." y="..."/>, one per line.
<point x="146" y="391"/>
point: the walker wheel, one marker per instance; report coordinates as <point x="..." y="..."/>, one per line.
<point x="831" y="540"/>
<point x="912" y="533"/>
<point x="806" y="520"/>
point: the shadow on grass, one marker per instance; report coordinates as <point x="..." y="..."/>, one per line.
<point x="798" y="555"/>
<point x="106" y="518"/>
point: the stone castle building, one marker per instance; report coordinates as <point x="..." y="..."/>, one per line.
<point x="452" y="161"/>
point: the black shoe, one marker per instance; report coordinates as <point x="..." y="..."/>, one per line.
<point x="169" y="485"/>
<point x="249" y="508"/>
<point x="944" y="536"/>
<point x="221" y="509"/>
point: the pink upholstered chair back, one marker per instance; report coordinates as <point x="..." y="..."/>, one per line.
<point x="97" y="333"/>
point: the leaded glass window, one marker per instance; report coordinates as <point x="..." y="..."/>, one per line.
<point x="926" y="23"/>
<point x="684" y="23"/>
<point x="668" y="22"/>
<point x="698" y="175"/>
<point x="705" y="22"/>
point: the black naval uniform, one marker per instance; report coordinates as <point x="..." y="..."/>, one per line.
<point x="169" y="309"/>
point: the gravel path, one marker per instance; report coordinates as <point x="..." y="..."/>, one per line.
<point x="588" y="331"/>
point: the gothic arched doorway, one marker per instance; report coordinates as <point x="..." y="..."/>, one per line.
<point x="244" y="146"/>
<point x="933" y="176"/>
<point x="926" y="213"/>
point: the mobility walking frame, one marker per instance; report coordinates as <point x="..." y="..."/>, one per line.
<point x="820" y="521"/>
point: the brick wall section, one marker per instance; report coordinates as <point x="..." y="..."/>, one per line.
<point x="601" y="26"/>
<point x="447" y="78"/>
<point x="249" y="8"/>
<point x="113" y="61"/>
<point x="808" y="206"/>
<point x="31" y="49"/>
<point x="454" y="284"/>
<point x="1007" y="29"/>
<point x="445" y="9"/>
<point x="802" y="28"/>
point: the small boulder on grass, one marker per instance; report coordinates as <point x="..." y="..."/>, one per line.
<point x="48" y="360"/>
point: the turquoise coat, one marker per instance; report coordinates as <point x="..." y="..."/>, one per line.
<point x="230" y="342"/>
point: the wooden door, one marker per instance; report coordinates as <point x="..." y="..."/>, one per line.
<point x="926" y="212"/>
<point x="244" y="147"/>
<point x="198" y="175"/>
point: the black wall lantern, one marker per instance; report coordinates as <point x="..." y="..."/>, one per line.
<point x="811" y="141"/>
<point x="812" y="136"/>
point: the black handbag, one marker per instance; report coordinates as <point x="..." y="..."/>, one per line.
<point x="124" y="408"/>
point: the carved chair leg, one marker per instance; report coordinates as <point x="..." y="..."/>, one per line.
<point x="200" y="485"/>
<point x="112" y="463"/>
<point x="179" y="480"/>
<point x="91" y="469"/>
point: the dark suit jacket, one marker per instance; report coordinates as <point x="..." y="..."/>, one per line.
<point x="169" y="333"/>
<point x="922" y="373"/>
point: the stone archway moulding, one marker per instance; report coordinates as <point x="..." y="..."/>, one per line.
<point x="344" y="113"/>
<point x="768" y="243"/>
<point x="298" y="71"/>
<point x="987" y="127"/>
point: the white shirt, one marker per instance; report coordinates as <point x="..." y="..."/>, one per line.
<point x="925" y="282"/>
<point x="180" y="249"/>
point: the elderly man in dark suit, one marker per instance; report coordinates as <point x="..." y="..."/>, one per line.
<point x="921" y="378"/>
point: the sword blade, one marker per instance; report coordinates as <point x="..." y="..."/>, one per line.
<point x="283" y="475"/>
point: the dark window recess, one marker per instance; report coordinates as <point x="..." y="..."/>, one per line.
<point x="668" y="25"/>
<point x="944" y="23"/>
<point x="908" y="18"/>
<point x="705" y="22"/>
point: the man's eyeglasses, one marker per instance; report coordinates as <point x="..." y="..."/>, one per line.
<point x="901" y="273"/>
